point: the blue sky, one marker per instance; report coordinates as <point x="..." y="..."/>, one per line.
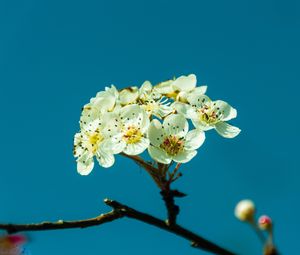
<point x="55" y="55"/>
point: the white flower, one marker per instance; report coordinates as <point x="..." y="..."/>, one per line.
<point x="172" y="141"/>
<point x="207" y="114"/>
<point x="91" y="141"/>
<point x="153" y="102"/>
<point x="180" y="88"/>
<point x="245" y="210"/>
<point x="131" y="124"/>
<point x="105" y="101"/>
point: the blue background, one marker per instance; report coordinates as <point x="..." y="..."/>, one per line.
<point x="55" y="55"/>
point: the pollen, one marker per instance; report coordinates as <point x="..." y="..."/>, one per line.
<point x="173" y="145"/>
<point x="132" y="135"/>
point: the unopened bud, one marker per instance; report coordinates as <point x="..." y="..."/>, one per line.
<point x="265" y="222"/>
<point x="245" y="210"/>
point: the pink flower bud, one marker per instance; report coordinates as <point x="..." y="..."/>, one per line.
<point x="16" y="239"/>
<point x="265" y="222"/>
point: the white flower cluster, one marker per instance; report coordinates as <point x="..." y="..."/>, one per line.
<point x="156" y="118"/>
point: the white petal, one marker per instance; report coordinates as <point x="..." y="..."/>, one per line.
<point x="137" y="148"/>
<point x="200" y="90"/>
<point x="155" y="133"/>
<point x="183" y="108"/>
<point x="164" y="87"/>
<point x="197" y="100"/>
<point x="111" y="125"/>
<point x="130" y="112"/>
<point x="227" y="111"/>
<point x="194" y="139"/>
<point x="78" y="150"/>
<point x="85" y="164"/>
<point x="185" y="83"/>
<point x="128" y="95"/>
<point x="185" y="156"/>
<point x="115" y="144"/>
<point x="175" y="124"/>
<point x="146" y="87"/>
<point x="89" y="113"/>
<point x="226" y="130"/>
<point x="162" y="111"/>
<point x="104" y="101"/>
<point x="105" y="159"/>
<point x="201" y="125"/>
<point x="143" y="122"/>
<point x="159" y="155"/>
<point x="92" y="126"/>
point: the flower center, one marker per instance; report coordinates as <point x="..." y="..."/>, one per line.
<point x="208" y="115"/>
<point x="94" y="140"/>
<point x="132" y="135"/>
<point x="173" y="145"/>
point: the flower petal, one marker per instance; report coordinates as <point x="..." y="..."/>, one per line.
<point x="164" y="87"/>
<point x="145" y="88"/>
<point x="185" y="83"/>
<point x="199" y="124"/>
<point x="227" y="111"/>
<point x="194" y="139"/>
<point x="137" y="148"/>
<point x="114" y="145"/>
<point x="197" y="100"/>
<point x="200" y="90"/>
<point x="184" y="156"/>
<point x="89" y="113"/>
<point x="159" y="155"/>
<point x="105" y="159"/>
<point x="128" y="95"/>
<point x="185" y="109"/>
<point x="105" y="100"/>
<point x="85" y="163"/>
<point x="175" y="124"/>
<point x="155" y="133"/>
<point x="226" y="130"/>
<point x="110" y="125"/>
<point x="162" y="110"/>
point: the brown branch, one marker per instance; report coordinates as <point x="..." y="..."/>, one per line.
<point x="119" y="211"/>
<point x="101" y="219"/>
<point x="196" y="240"/>
<point x="173" y="210"/>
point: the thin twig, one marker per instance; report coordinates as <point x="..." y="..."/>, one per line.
<point x="196" y="240"/>
<point x="60" y="224"/>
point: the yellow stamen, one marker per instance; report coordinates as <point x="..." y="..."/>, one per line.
<point x="132" y="135"/>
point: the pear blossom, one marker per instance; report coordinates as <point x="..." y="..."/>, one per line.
<point x="105" y="101"/>
<point x="91" y="142"/>
<point x="130" y="124"/>
<point x="172" y="140"/>
<point x="207" y="114"/>
<point x="153" y="102"/>
<point x="129" y="121"/>
<point x="180" y="88"/>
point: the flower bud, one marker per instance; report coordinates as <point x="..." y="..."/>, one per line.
<point x="265" y="222"/>
<point x="245" y="210"/>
